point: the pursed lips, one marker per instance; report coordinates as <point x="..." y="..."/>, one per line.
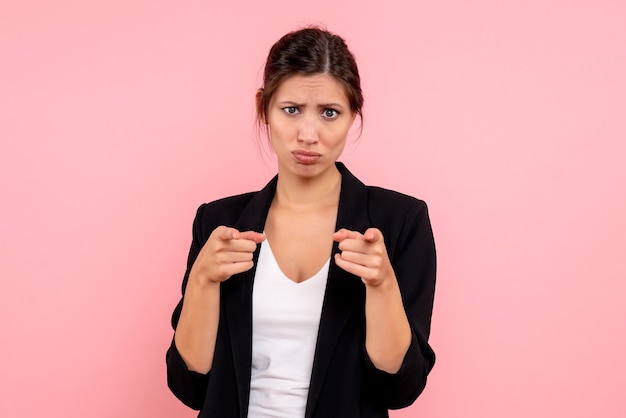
<point x="306" y="157"/>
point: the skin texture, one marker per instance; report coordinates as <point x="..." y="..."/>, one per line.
<point x="308" y="120"/>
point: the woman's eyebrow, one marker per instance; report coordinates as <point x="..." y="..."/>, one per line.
<point x="320" y="105"/>
<point x="332" y="104"/>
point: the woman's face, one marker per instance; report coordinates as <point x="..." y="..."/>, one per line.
<point x="309" y="118"/>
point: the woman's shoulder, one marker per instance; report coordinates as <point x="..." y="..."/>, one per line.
<point x="379" y="196"/>
<point x="395" y="213"/>
<point x="231" y="202"/>
<point x="225" y="210"/>
<point x="392" y="200"/>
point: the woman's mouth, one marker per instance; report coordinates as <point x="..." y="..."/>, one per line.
<point x="306" y="157"/>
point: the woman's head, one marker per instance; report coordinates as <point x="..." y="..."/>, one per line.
<point x="310" y="51"/>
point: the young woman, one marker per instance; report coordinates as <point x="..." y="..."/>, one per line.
<point x="313" y="296"/>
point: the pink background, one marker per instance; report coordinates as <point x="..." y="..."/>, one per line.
<point x="118" y="118"/>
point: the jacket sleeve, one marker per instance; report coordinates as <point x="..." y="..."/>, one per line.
<point x="413" y="258"/>
<point x="188" y="386"/>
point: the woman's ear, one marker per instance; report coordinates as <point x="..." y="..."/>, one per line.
<point x="260" y="111"/>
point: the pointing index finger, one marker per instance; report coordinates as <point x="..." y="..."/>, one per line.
<point x="228" y="233"/>
<point x="257" y="237"/>
<point x="343" y="234"/>
<point x="373" y="235"/>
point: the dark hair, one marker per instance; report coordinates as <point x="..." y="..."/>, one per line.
<point x="310" y="51"/>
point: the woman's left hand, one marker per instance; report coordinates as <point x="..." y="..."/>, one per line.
<point x="364" y="255"/>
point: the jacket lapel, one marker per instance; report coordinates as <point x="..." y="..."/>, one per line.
<point x="342" y="289"/>
<point x="237" y="296"/>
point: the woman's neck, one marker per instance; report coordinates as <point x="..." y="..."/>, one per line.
<point x="302" y="192"/>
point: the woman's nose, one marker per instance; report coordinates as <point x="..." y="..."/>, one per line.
<point x="307" y="131"/>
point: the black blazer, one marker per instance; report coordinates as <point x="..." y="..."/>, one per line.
<point x="344" y="382"/>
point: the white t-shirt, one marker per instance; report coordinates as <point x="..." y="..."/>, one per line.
<point x="285" y="321"/>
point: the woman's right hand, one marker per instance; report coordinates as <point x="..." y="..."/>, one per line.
<point x="226" y="252"/>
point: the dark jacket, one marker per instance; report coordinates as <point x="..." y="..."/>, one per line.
<point x="344" y="382"/>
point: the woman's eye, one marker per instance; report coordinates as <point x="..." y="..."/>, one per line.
<point x="330" y="113"/>
<point x="290" y="110"/>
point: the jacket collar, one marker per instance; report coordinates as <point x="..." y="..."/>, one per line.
<point x="338" y="300"/>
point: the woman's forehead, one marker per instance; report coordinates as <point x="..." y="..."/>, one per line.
<point x="307" y="88"/>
